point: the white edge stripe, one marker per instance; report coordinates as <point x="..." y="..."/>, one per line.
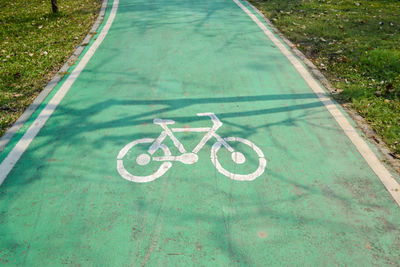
<point x="16" y="153"/>
<point x="384" y="175"/>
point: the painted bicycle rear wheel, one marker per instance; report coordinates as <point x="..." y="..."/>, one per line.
<point x="140" y="159"/>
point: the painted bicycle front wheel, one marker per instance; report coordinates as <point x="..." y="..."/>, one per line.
<point x="239" y="158"/>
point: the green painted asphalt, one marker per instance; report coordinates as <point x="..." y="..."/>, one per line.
<point x="317" y="202"/>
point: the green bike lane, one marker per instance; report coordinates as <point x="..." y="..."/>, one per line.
<point x="317" y="202"/>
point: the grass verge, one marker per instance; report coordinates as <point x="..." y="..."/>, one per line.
<point x="356" y="45"/>
<point x="34" y="44"/>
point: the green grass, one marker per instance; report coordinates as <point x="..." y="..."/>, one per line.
<point x="356" y="44"/>
<point x="34" y="43"/>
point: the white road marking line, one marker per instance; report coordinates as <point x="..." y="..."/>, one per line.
<point x="16" y="153"/>
<point x="380" y="170"/>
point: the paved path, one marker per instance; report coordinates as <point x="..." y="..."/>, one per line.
<point x="255" y="170"/>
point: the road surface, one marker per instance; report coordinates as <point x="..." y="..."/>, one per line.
<point x="188" y="134"/>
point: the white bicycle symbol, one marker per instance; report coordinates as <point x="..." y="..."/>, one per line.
<point x="191" y="157"/>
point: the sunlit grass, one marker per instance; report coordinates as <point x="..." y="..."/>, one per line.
<point x="356" y="44"/>
<point x="34" y="43"/>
